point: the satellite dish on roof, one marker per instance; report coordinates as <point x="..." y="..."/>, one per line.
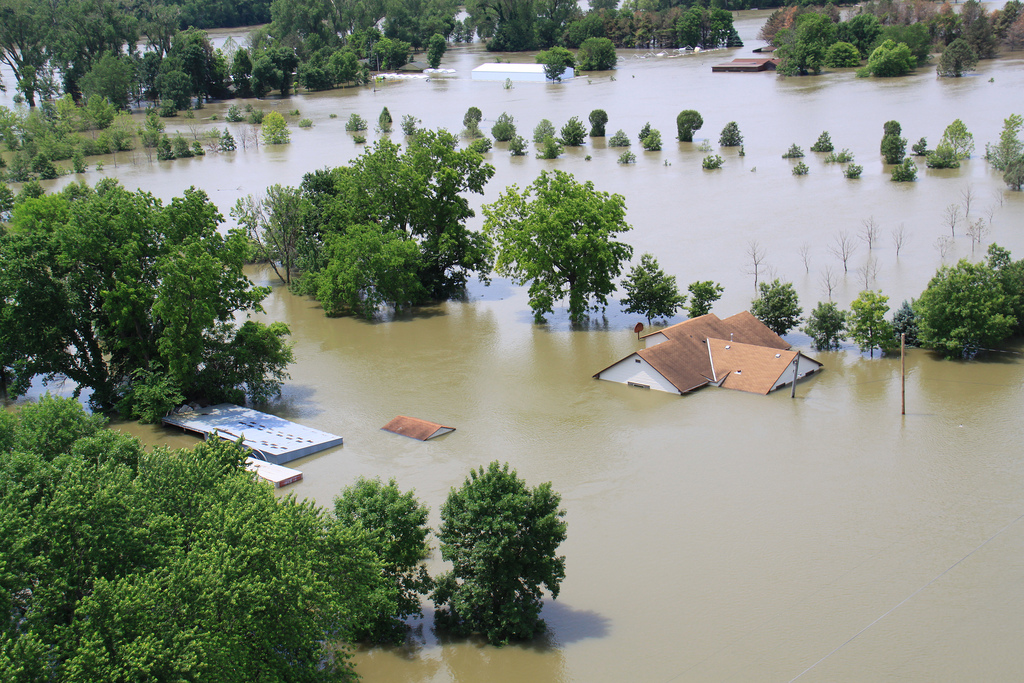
<point x="638" y="328"/>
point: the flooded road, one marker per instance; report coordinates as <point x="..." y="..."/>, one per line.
<point x="719" y="536"/>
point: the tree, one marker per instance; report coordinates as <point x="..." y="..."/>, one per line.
<point x="652" y="141"/>
<point x="688" y="122"/>
<point x="112" y="282"/>
<point x="111" y="547"/>
<point x="731" y="136"/>
<point x="598" y="119"/>
<point x="275" y="129"/>
<point x="889" y="60"/>
<point x="862" y="31"/>
<point x="620" y="139"/>
<point x="368" y="267"/>
<point x="396" y="527"/>
<point x="543" y="130"/>
<point x="274" y="226"/>
<point x="559" y="235"/>
<point x="502" y="539"/>
<point x="111" y="78"/>
<point x="436" y="48"/>
<point x="703" y="294"/>
<point x="555" y="61"/>
<point x="957" y="58"/>
<point x="574" y="133"/>
<point x="777" y="306"/>
<point x="905" y="172"/>
<point x="823" y="143"/>
<point x="826" y="326"/>
<point x="904" y="322"/>
<point x="964" y="310"/>
<point x="1013" y="176"/>
<point x="24" y="44"/>
<point x="384" y="120"/>
<point x="1009" y="147"/>
<point x="867" y="325"/>
<point x="894" y="148"/>
<point x="707" y="28"/>
<point x="959" y="139"/>
<point x="504" y="129"/>
<point x="842" y="55"/>
<point x="803" y="49"/>
<point x="650" y="292"/>
<point x="597" y="54"/>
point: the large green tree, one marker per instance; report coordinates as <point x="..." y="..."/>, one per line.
<point x="957" y="58"/>
<point x="777" y="306"/>
<point x="802" y="50"/>
<point x="120" y="564"/>
<point x="650" y="291"/>
<point x="559" y="235"/>
<point x="964" y="310"/>
<point x="396" y="528"/>
<point x="105" y="283"/>
<point x="502" y="539"/>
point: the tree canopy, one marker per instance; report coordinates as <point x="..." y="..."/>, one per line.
<point x="137" y="301"/>
<point x="650" y="292"/>
<point x="777" y="306"/>
<point x="123" y="564"/>
<point x="502" y="539"/>
<point x="867" y="325"/>
<point x="559" y="235"/>
<point x="966" y="308"/>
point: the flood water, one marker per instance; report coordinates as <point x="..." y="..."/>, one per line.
<point x="719" y="536"/>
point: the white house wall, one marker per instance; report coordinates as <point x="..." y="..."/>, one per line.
<point x="807" y="366"/>
<point x="652" y="339"/>
<point x="629" y="371"/>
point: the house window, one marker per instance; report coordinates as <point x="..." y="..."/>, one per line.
<point x="636" y="360"/>
<point x="638" y="385"/>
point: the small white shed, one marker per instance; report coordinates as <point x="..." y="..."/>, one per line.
<point x="516" y="72"/>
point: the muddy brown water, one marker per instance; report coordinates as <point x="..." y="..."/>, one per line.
<point x="718" y="536"/>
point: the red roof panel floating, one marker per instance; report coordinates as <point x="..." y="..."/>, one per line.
<point x="415" y="428"/>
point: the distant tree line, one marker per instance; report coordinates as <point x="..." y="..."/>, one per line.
<point x="126" y="564"/>
<point x="893" y="37"/>
<point x="966" y="309"/>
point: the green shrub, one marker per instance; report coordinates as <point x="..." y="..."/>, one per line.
<point x="730" y="136"/>
<point x="358" y="139"/>
<point x="824" y="143"/>
<point x="256" y="116"/>
<point x="550" y="149"/>
<point x="853" y="171"/>
<point x="839" y="158"/>
<point x="620" y="139"/>
<point x="794" y="152"/>
<point x="627" y="157"/>
<point x="305" y="123"/>
<point x="182" y="149"/>
<point x="481" y="145"/>
<point x="712" y="161"/>
<point x="574" y="133"/>
<point x="504" y="129"/>
<point x="652" y="142"/>
<point x="544" y="130"/>
<point x="355" y="123"/>
<point x="943" y="157"/>
<point x="517" y="145"/>
<point x="905" y="172"/>
<point x="409" y="124"/>
<point x="801" y="169"/>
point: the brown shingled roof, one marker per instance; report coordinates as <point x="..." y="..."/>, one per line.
<point x="748" y="367"/>
<point x="416" y="428"/>
<point x="685" y="361"/>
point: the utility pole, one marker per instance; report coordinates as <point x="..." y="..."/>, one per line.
<point x="903" y="373"/>
<point x="796" y="372"/>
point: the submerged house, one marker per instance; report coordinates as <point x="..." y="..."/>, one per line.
<point x="515" y="72"/>
<point x="739" y="352"/>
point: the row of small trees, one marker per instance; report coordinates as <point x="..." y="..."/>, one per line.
<point x="120" y="563"/>
<point x="965" y="309"/>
